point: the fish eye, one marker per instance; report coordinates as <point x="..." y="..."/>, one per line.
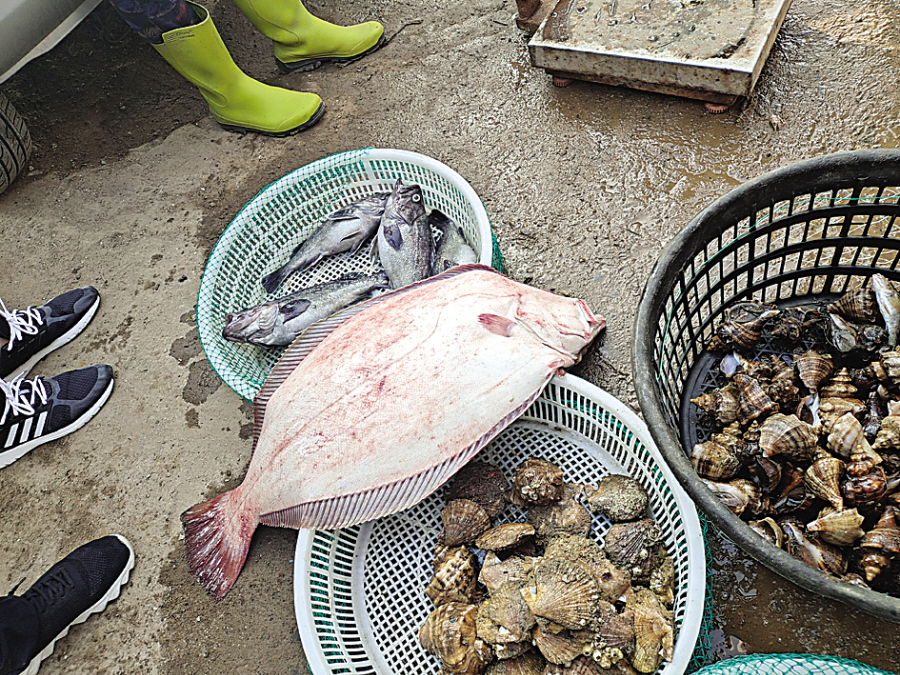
<point x="416" y="198"/>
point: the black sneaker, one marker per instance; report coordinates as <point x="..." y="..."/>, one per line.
<point x="43" y="409"/>
<point x="35" y="332"/>
<point x="81" y="584"/>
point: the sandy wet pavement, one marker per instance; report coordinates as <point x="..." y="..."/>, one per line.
<point x="132" y="183"/>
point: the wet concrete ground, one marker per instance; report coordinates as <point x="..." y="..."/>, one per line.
<point x="131" y="183"/>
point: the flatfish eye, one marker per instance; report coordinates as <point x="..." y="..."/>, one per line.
<point x="416" y="198"/>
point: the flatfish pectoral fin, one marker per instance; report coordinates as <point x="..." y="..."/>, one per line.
<point x="348" y="510"/>
<point x="499" y="325"/>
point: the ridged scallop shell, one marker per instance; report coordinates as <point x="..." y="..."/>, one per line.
<point x="823" y="477"/>
<point x="449" y="634"/>
<point x="583" y="665"/>
<point x="813" y="368"/>
<point x="504" y="536"/>
<point x="482" y="483"/>
<point x="463" y="521"/>
<point x="564" y="592"/>
<point x="565" y="516"/>
<point x="619" y="498"/>
<point x="528" y="663"/>
<point x="653" y="632"/>
<point x="753" y="402"/>
<point x="713" y="460"/>
<point x="557" y="648"/>
<point x="769" y="530"/>
<point x="504" y="617"/>
<point x="635" y="546"/>
<point x="511" y="650"/>
<point x="537" y="482"/>
<point x="494" y="572"/>
<point x="612" y="581"/>
<point x="720" y="404"/>
<point x="786" y="435"/>
<point x="455" y="577"/>
<point x="841" y="528"/>
<point x="662" y="581"/>
<point x="858" y="304"/>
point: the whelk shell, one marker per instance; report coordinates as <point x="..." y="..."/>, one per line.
<point x="813" y="552"/>
<point x="812" y="369"/>
<point x="840" y="386"/>
<point x="888" y="436"/>
<point x="841" y="528"/>
<point x="753" y="401"/>
<point x="769" y="530"/>
<point x="715" y="461"/>
<point x="720" y="404"/>
<point x="864" y="481"/>
<point x="823" y="477"/>
<point x="858" y="304"/>
<point x="739" y="495"/>
<point x="740" y="335"/>
<point x="786" y="435"/>
<point x="463" y="521"/>
<point x="847" y="436"/>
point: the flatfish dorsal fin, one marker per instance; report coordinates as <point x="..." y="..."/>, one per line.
<point x="309" y="339"/>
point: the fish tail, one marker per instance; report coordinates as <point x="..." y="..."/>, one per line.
<point x="217" y="536"/>
<point x="272" y="281"/>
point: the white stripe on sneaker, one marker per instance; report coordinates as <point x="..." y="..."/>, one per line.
<point x="26" y="429"/>
<point x="40" y="425"/>
<point x="10" y="439"/>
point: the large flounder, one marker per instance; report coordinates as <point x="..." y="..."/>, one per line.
<point x="373" y="409"/>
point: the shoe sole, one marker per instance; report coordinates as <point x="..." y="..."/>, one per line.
<point x="63" y="339"/>
<point x="25" y="448"/>
<point x="307" y="65"/>
<point x="110" y="595"/>
<point x="316" y="116"/>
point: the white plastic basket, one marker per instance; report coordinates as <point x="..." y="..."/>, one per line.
<point x="359" y="592"/>
<point x="265" y="232"/>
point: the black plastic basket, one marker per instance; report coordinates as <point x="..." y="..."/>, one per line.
<point x="816" y="228"/>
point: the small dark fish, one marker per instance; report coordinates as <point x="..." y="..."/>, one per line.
<point x="279" y="322"/>
<point x="344" y="230"/>
<point x="405" y="245"/>
<point x="452" y="249"/>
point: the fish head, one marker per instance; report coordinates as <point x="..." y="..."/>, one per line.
<point x="250" y="325"/>
<point x="406" y="201"/>
<point x="565" y="324"/>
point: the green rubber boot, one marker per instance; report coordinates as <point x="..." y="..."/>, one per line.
<point x="236" y="100"/>
<point x="304" y="42"/>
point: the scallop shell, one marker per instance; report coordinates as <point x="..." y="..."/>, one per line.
<point x="481" y="483"/>
<point x="713" y="460"/>
<point x="769" y="530"/>
<point x="612" y="581"/>
<point x="662" y="581"/>
<point x="504" y="536"/>
<point x="557" y="648"/>
<point x="454" y="577"/>
<point x="583" y="665"/>
<point x="563" y="517"/>
<point x="537" y="482"/>
<point x="619" y="498"/>
<point x="635" y="546"/>
<point x="841" y="528"/>
<point x="720" y="404"/>
<point x="528" y="663"/>
<point x="505" y="616"/>
<point x="823" y="477"/>
<point x="449" y="634"/>
<point x="564" y="592"/>
<point x="813" y="368"/>
<point x="786" y="435"/>
<point x="512" y="650"/>
<point x="463" y="521"/>
<point x="495" y="573"/>
<point x="753" y="401"/>
<point x="858" y="304"/>
<point x="653" y="632"/>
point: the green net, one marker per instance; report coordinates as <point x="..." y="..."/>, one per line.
<point x="272" y="224"/>
<point x="790" y="664"/>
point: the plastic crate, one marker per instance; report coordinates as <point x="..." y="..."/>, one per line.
<point x="805" y="232"/>
<point x="359" y="592"/>
<point x="271" y="225"/>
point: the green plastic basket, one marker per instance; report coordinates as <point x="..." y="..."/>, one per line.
<point x="265" y="232"/>
<point x="790" y="664"/>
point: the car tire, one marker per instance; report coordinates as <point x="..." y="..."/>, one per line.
<point x="15" y="143"/>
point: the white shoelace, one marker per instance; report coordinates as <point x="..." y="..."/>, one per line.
<point x="20" y="400"/>
<point x="22" y="322"/>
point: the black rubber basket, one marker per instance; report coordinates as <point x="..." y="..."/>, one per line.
<point x="808" y="231"/>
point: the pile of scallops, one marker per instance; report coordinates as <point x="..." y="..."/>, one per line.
<point x="540" y="596"/>
<point x="806" y="430"/>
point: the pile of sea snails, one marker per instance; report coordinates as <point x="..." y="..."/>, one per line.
<point x="548" y="599"/>
<point x="807" y="448"/>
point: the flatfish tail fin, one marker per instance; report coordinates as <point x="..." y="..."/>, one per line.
<point x="309" y="339"/>
<point x="217" y="536"/>
<point x="360" y="507"/>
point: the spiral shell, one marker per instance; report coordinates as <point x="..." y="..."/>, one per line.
<point x="504" y="536"/>
<point x="888" y="436"/>
<point x="739" y="335"/>
<point x="864" y="481"/>
<point x="769" y="530"/>
<point x="619" y="498"/>
<point x="463" y="521"/>
<point x="839" y="386"/>
<point x="720" y="404"/>
<point x="885" y="536"/>
<point x="858" y="304"/>
<point x="823" y="477"/>
<point x="846" y="436"/>
<point x="841" y="528"/>
<point x="782" y="389"/>
<point x="449" y="634"/>
<point x="813" y="368"/>
<point x="875" y="415"/>
<point x="481" y="483"/>
<point x="815" y="553"/>
<point x="564" y="592"/>
<point x="786" y="435"/>
<point x="890" y="363"/>
<point x="454" y="577"/>
<point x="739" y="495"/>
<point x="713" y="460"/>
<point x="753" y="401"/>
<point x="537" y="482"/>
